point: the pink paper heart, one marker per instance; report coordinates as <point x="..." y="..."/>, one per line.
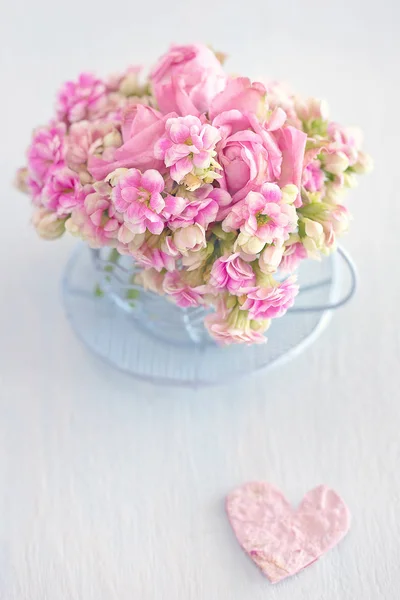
<point x="282" y="540"/>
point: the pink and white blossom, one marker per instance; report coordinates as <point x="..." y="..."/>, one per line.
<point x="137" y="196"/>
<point x="293" y="254"/>
<point x="154" y="258"/>
<point x="187" y="145"/>
<point x="200" y="207"/>
<point x="81" y="99"/>
<point x="208" y="184"/>
<point x="180" y="292"/>
<point x="273" y="302"/>
<point x="46" y="151"/>
<point x="233" y="274"/>
<point x="88" y="138"/>
<point x="62" y="191"/>
<point x="232" y="326"/>
<point x="262" y="218"/>
<point x="313" y="177"/>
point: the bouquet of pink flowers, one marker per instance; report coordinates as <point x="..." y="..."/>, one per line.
<point x="216" y="186"/>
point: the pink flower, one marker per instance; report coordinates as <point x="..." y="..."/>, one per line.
<point x="138" y="197"/>
<point x="335" y="222"/>
<point x="180" y="292"/>
<point x="280" y="96"/>
<point x="186" y="79"/>
<point x="142" y="127"/>
<point x="154" y="258"/>
<point x="151" y="280"/>
<point x="35" y="190"/>
<point x="234" y="327"/>
<point x="262" y="215"/>
<point x="269" y="303"/>
<point x="232" y="273"/>
<point x="62" y="191"/>
<point x="252" y="152"/>
<point x="293" y="255"/>
<point x="86" y="138"/>
<point x="270" y="259"/>
<point x="95" y="220"/>
<point x="80" y="99"/>
<point x="187" y="145"/>
<point x="46" y="151"/>
<point x="126" y="82"/>
<point x="102" y="213"/>
<point x="244" y="161"/>
<point x="239" y="94"/>
<point x="200" y="207"/>
<point x="313" y="177"/>
<point x="291" y="143"/>
<point x="344" y="140"/>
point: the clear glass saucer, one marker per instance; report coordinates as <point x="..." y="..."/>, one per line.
<point x="151" y="338"/>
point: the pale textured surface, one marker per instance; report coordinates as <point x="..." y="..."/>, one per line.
<point x="111" y="489"/>
<point x="282" y="539"/>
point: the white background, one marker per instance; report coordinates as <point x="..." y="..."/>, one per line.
<point x="113" y="489"/>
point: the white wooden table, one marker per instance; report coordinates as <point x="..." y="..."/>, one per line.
<point x="113" y="489"/>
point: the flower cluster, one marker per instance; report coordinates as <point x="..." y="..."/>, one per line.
<point x="215" y="185"/>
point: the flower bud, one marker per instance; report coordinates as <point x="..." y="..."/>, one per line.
<point x="289" y="193"/>
<point x="270" y="258"/>
<point x="190" y="238"/>
<point x="130" y="86"/>
<point x="20" y="181"/>
<point x="194" y="260"/>
<point x="250" y="244"/>
<point x="364" y="163"/>
<point x="112" y="139"/>
<point x="47" y="224"/>
<point x="335" y="163"/>
<point x="350" y="180"/>
<point x="113" y="177"/>
<point x="312" y="108"/>
<point x="313" y="229"/>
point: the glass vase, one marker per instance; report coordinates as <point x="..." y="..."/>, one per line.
<point x="151" y="338"/>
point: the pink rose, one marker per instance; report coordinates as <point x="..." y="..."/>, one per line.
<point x="142" y="127"/>
<point x="239" y="94"/>
<point x="186" y="79"/>
<point x="252" y="153"/>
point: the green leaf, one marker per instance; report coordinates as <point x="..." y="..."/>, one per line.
<point x="98" y="292"/>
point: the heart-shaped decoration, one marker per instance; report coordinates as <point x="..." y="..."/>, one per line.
<point x="282" y="540"/>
